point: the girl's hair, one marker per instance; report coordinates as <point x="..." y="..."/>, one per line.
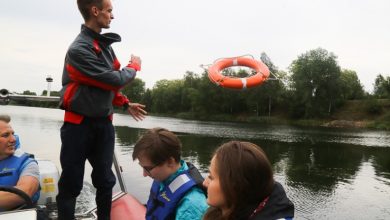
<point x="245" y="177"/>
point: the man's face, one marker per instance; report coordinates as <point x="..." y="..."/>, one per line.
<point x="105" y="15"/>
<point x="7" y="140"/>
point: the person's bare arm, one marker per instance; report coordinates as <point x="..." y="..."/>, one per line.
<point x="27" y="184"/>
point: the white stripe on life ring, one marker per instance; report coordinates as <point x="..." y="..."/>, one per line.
<point x="235" y="62"/>
<point x="243" y="80"/>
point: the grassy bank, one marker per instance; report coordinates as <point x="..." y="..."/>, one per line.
<point x="370" y="114"/>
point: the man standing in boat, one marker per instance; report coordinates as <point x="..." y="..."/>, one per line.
<point x="177" y="191"/>
<point x="91" y="82"/>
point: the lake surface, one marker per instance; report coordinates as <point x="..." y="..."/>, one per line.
<point x="328" y="173"/>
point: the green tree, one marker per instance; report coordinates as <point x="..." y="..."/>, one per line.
<point x="166" y="96"/>
<point x="190" y="100"/>
<point x="28" y="92"/>
<point x="190" y="92"/>
<point x="134" y="90"/>
<point x="210" y="98"/>
<point x="191" y="80"/>
<point x="382" y="87"/>
<point x="316" y="83"/>
<point x="351" y="88"/>
<point x="262" y="98"/>
<point x="52" y="93"/>
<point x="147" y="100"/>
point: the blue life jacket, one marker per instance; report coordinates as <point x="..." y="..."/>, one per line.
<point x="162" y="204"/>
<point x="12" y="167"/>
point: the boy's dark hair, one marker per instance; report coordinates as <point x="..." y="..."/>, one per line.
<point x="85" y="6"/>
<point x="158" y="145"/>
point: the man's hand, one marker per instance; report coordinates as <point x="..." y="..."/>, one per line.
<point x="136" y="111"/>
<point x="135" y="63"/>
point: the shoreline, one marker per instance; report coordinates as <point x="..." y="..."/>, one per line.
<point x="327" y="123"/>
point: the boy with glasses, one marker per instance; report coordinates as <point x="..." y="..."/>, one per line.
<point x="177" y="191"/>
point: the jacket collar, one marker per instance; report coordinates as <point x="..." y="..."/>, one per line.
<point x="107" y="38"/>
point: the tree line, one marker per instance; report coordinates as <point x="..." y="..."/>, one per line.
<point x="314" y="87"/>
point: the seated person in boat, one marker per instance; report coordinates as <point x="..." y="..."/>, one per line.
<point x="177" y="191"/>
<point x="17" y="170"/>
<point x="7" y="119"/>
<point x="241" y="185"/>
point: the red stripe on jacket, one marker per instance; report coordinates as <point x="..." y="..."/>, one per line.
<point x="71" y="116"/>
<point x="116" y="64"/>
<point x="77" y="76"/>
<point x="69" y="93"/>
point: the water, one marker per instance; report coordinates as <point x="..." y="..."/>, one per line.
<point x="327" y="173"/>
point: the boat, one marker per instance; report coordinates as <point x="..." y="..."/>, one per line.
<point x="124" y="205"/>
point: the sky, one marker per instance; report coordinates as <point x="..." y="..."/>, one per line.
<point x="175" y="36"/>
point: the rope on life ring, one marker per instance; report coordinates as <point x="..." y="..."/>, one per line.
<point x="215" y="76"/>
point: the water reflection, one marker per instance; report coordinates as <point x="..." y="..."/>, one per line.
<point x="126" y="137"/>
<point x="381" y="163"/>
<point x="280" y="133"/>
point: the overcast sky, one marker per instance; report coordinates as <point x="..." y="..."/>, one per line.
<point x="175" y="36"/>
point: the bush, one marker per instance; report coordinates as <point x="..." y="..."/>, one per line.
<point x="373" y="107"/>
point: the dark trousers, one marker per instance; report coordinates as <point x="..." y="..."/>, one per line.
<point x="92" y="140"/>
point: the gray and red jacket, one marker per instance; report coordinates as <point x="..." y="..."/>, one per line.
<point x="92" y="77"/>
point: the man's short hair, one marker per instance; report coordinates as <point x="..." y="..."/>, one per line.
<point x="85" y="6"/>
<point x="158" y="145"/>
<point x="5" y="118"/>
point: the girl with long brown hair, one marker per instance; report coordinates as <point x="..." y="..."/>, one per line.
<point x="241" y="185"/>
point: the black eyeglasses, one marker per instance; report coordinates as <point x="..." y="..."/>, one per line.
<point x="149" y="169"/>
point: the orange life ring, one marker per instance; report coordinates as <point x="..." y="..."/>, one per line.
<point x="214" y="73"/>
